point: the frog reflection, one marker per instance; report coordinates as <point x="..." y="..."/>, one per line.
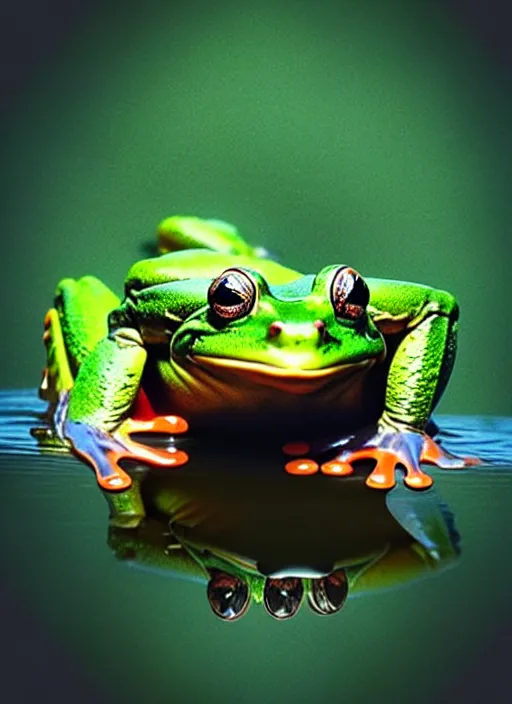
<point x="282" y="542"/>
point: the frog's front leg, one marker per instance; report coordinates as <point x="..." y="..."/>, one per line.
<point x="425" y="321"/>
<point x="419" y="325"/>
<point x="391" y="446"/>
<point x="93" y="415"/>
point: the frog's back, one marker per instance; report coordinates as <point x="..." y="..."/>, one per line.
<point x="202" y="264"/>
<point x="195" y="248"/>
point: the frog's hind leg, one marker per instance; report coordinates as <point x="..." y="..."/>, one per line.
<point x="181" y="232"/>
<point x="72" y="328"/>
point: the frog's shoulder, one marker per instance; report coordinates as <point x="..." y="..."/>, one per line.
<point x="202" y="264"/>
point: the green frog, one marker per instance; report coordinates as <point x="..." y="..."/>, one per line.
<point x="215" y="335"/>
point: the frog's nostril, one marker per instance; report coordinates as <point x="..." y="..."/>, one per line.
<point x="297" y="333"/>
<point x="274" y="329"/>
<point x="320" y="326"/>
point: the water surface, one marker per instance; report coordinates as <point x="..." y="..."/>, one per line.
<point x="151" y="634"/>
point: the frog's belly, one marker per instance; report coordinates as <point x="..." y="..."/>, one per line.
<point x="211" y="397"/>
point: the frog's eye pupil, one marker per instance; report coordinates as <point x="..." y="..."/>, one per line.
<point x="227" y="295"/>
<point x="228" y="595"/>
<point x="283" y="597"/>
<point x="232" y="295"/>
<point x="349" y="294"/>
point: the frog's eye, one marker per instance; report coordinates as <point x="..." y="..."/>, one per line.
<point x="232" y="295"/>
<point x="282" y="597"/>
<point x="349" y="294"/>
<point x="228" y="595"/>
<point x="328" y="594"/>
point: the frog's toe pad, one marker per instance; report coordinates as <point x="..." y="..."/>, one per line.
<point x="301" y="467"/>
<point x="117" y="480"/>
<point x="337" y="468"/>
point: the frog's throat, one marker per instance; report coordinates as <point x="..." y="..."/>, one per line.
<point x="290" y="379"/>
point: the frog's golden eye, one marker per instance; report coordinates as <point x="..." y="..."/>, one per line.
<point x="232" y="295"/>
<point x="229" y="596"/>
<point x="282" y="597"/>
<point x="349" y="294"/>
<point x="328" y="594"/>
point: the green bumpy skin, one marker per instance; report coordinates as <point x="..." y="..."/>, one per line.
<point x="216" y="332"/>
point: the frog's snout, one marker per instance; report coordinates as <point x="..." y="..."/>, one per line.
<point x="296" y="334"/>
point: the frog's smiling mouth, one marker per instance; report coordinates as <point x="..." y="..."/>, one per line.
<point x="290" y="379"/>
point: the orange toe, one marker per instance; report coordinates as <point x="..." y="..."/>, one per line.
<point x="117" y="479"/>
<point x="472" y="461"/>
<point x="416" y="479"/>
<point x="383" y="476"/>
<point x="170" y="425"/>
<point x="336" y="468"/>
<point x="435" y="454"/>
<point x="302" y="467"/>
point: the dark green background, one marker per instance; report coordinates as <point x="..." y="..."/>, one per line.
<point x="373" y="134"/>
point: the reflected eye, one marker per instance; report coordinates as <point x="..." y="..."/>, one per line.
<point x="349" y="294"/>
<point x="232" y="295"/>
<point x="228" y="596"/>
<point x="282" y="597"/>
<point x="328" y="594"/>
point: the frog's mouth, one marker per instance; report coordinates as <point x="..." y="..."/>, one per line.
<point x="290" y="379"/>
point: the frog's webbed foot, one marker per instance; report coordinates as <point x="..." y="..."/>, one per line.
<point x="104" y="451"/>
<point x="390" y="449"/>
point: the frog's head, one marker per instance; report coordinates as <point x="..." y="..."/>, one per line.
<point x="229" y="594"/>
<point x="293" y="336"/>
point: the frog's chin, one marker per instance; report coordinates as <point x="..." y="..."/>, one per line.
<point x="290" y="379"/>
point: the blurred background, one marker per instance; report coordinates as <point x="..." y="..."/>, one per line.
<point x="370" y="134"/>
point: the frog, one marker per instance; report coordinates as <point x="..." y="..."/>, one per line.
<point x="213" y="334"/>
